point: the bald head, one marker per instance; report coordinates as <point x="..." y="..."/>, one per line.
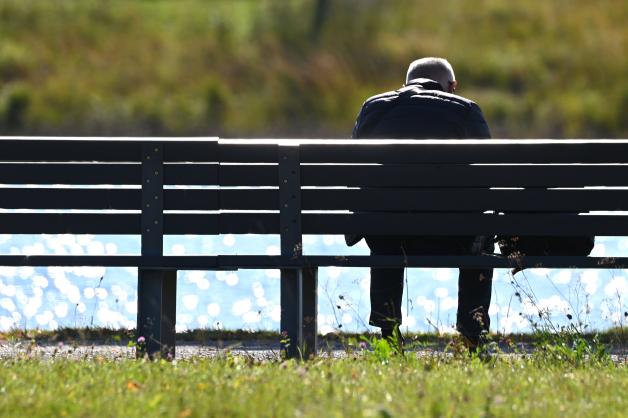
<point x="437" y="69"/>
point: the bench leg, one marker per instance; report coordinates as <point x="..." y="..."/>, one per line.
<point x="299" y="312"/>
<point x="156" y="312"/>
<point x="309" y="294"/>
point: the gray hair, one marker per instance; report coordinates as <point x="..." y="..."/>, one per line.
<point x="437" y="69"/>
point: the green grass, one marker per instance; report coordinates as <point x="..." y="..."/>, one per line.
<point x="565" y="375"/>
<point x="362" y="385"/>
<point x="554" y="68"/>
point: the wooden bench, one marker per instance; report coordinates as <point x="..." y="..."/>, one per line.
<point x="301" y="187"/>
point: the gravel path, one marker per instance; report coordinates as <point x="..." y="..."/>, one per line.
<point x="259" y="350"/>
<point x="110" y="351"/>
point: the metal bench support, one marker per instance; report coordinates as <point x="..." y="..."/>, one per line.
<point x="308" y="282"/>
<point x="157" y="289"/>
<point x="298" y="285"/>
<point x="156" y="312"/>
<point x="298" y="312"/>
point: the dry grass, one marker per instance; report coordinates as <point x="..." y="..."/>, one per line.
<point x="247" y="68"/>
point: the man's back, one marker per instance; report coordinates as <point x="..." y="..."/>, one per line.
<point x="425" y="108"/>
<point x="420" y="110"/>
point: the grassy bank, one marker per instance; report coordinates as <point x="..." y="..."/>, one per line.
<point x="285" y="68"/>
<point x="360" y="386"/>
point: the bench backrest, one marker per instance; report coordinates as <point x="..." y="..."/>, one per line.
<point x="291" y="188"/>
<point x="537" y="185"/>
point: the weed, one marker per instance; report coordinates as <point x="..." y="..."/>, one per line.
<point x="559" y="343"/>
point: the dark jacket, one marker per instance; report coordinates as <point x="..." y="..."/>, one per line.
<point x="419" y="110"/>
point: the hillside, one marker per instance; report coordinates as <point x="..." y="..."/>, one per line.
<point x="555" y="68"/>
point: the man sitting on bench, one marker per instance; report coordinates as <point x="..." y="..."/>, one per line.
<point x="426" y="108"/>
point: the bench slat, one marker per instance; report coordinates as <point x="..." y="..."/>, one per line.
<point x="467" y="223"/>
<point x="428" y="175"/>
<point x="401" y="224"/>
<point x="194" y="199"/>
<point x="55" y="198"/>
<point x="69" y="223"/>
<point x="192" y="174"/>
<point x="248" y="153"/>
<point x="69" y="150"/>
<point x="581" y="200"/>
<point x="424" y="261"/>
<point x="124" y="199"/>
<point x="226" y="223"/>
<point x="233" y="262"/>
<point x="225" y="175"/>
<point x="532" y="152"/>
<point x="208" y="150"/>
<point x="104" y="149"/>
<point x="186" y="150"/>
<point x="77" y="173"/>
<point x="249" y="175"/>
<point x="458" y="175"/>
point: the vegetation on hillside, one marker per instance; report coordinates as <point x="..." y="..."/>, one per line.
<point x="302" y="68"/>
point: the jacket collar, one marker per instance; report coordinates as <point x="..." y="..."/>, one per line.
<point x="425" y="84"/>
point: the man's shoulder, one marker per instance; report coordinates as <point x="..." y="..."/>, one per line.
<point x="381" y="99"/>
<point x="412" y="95"/>
<point x="416" y="112"/>
<point x="440" y="97"/>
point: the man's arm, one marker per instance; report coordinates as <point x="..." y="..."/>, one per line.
<point x="371" y="114"/>
<point x="352" y="239"/>
<point x="361" y="123"/>
<point x="476" y="126"/>
<point x="356" y="128"/>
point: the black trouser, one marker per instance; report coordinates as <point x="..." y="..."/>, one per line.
<point x="474" y="285"/>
